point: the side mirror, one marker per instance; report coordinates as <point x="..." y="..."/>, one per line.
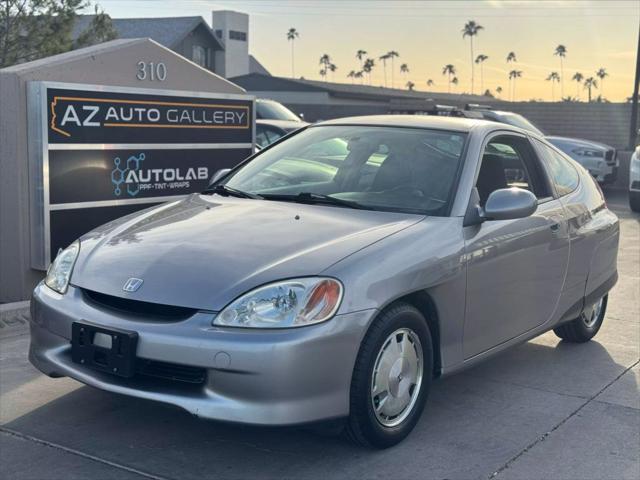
<point x="218" y="175"/>
<point x="509" y="204"/>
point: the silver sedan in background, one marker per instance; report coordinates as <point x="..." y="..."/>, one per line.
<point x="335" y="274"/>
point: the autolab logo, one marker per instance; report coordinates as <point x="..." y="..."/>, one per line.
<point x="131" y="177"/>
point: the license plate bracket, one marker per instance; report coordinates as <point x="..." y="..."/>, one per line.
<point x="119" y="359"/>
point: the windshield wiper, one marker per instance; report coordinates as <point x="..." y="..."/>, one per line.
<point x="317" y="198"/>
<point x="222" y="189"/>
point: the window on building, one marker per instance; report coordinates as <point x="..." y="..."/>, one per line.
<point x="219" y="34"/>
<point x="236" y="35"/>
<point x="200" y="56"/>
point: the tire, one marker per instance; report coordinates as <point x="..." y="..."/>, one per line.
<point x="634" y="201"/>
<point x="585" y="327"/>
<point x="403" y="324"/>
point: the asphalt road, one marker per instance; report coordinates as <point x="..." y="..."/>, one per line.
<point x="545" y="409"/>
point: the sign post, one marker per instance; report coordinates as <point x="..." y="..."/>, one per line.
<point x="104" y="152"/>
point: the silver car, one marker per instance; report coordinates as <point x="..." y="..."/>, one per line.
<point x="335" y="274"/>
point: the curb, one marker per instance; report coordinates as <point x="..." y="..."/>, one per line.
<point x="14" y="316"/>
<point x="9" y="307"/>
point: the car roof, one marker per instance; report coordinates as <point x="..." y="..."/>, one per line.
<point x="456" y="124"/>
<point x="284" y="124"/>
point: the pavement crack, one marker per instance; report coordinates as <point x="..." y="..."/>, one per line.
<point x="78" y="453"/>
<point x="545" y="435"/>
<point x="530" y="387"/>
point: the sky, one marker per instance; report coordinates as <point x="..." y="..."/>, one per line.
<point x="427" y="35"/>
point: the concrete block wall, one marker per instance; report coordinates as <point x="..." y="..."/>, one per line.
<point x="602" y="122"/>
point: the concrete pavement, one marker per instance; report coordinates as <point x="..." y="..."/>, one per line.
<point x="545" y="409"/>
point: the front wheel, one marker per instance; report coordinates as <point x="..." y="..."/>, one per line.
<point x="391" y="378"/>
<point x="585" y="327"/>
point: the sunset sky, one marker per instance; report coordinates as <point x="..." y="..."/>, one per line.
<point x="427" y="35"/>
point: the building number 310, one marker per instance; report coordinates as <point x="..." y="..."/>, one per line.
<point x="151" y="70"/>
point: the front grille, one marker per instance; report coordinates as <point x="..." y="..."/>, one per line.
<point x="635" y="185"/>
<point x="170" y="371"/>
<point x="610" y="156"/>
<point x="147" y="310"/>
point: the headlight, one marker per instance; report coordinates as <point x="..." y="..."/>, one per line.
<point x="289" y="303"/>
<point x="588" y="152"/>
<point x="59" y="272"/>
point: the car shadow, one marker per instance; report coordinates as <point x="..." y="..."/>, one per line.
<point x="474" y="423"/>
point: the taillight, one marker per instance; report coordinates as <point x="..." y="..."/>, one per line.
<point x="604" y="200"/>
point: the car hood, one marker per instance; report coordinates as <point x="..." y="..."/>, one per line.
<point x="204" y="251"/>
<point x="577" y="142"/>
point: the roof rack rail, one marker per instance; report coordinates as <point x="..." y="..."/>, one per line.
<point x="453" y="111"/>
<point x="477" y="106"/>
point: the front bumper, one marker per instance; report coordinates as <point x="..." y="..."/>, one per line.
<point x="263" y="377"/>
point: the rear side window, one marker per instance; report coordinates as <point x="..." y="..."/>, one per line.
<point x="563" y="175"/>
<point x="266" y="136"/>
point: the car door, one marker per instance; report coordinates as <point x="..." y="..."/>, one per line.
<point x="593" y="230"/>
<point x="515" y="268"/>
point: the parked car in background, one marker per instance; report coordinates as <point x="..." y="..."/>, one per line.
<point x="273" y="121"/>
<point x="600" y="159"/>
<point x="268" y="131"/>
<point x="271" y="110"/>
<point x="634" y="180"/>
<point x="335" y="274"/>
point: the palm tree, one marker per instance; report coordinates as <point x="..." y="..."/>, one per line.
<point x="351" y="75"/>
<point x="292" y="34"/>
<point x="601" y="73"/>
<point x="480" y="59"/>
<point x="384" y="59"/>
<point x="360" y="54"/>
<point x="511" y="57"/>
<point x="332" y="68"/>
<point x="404" y="69"/>
<point x="359" y="74"/>
<point x="392" y="54"/>
<point x="325" y="61"/>
<point x="410" y="85"/>
<point x="369" y="63"/>
<point x="561" y="52"/>
<point x="553" y="78"/>
<point x="323" y="73"/>
<point x="577" y="77"/>
<point x="513" y="75"/>
<point x="590" y="83"/>
<point x="498" y="90"/>
<point x="471" y="29"/>
<point x="449" y="70"/>
<point x="429" y="83"/>
<point x="454" y="81"/>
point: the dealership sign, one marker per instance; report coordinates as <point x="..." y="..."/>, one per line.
<point x="103" y="152"/>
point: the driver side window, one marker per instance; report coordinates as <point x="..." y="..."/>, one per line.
<point x="507" y="161"/>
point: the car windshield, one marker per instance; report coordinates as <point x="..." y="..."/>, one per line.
<point x="518" y="121"/>
<point x="377" y="168"/>
<point x="274" y="111"/>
